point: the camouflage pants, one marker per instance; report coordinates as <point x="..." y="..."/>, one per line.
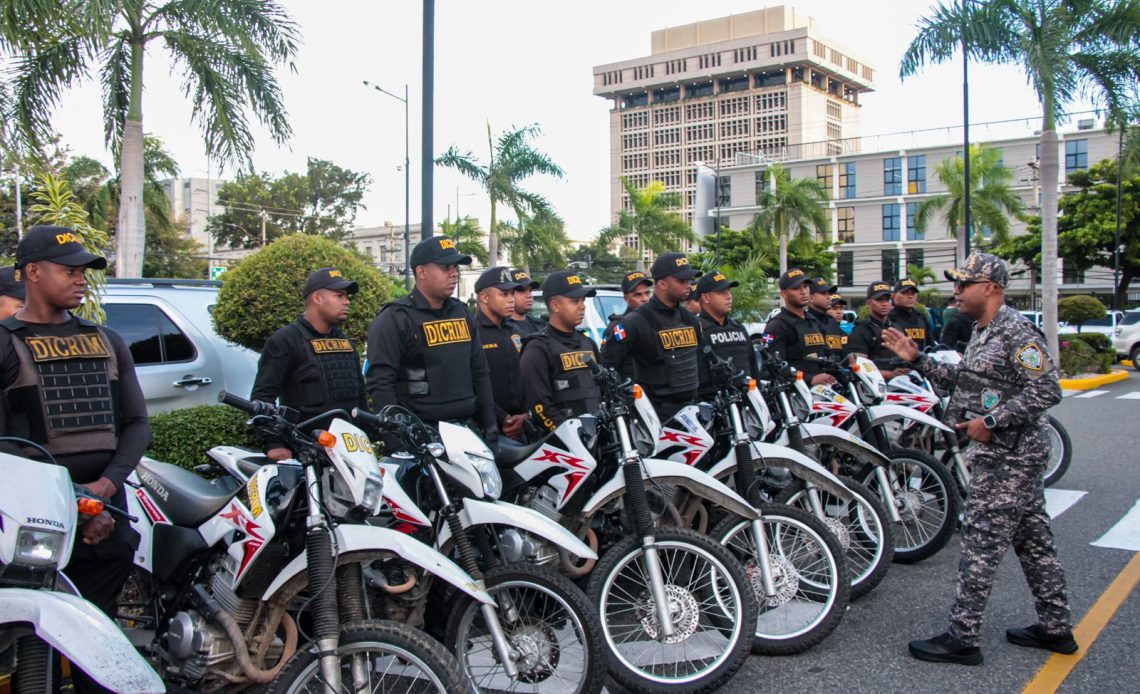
<point x="1006" y="506"/>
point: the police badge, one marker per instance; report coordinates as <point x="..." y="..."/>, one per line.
<point x="1030" y="357"/>
<point x="990" y="399"/>
<point x="517" y="340"/>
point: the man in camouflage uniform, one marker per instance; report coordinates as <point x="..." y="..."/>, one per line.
<point x="1001" y="392"/>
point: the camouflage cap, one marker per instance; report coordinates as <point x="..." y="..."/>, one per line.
<point x="981" y="267"/>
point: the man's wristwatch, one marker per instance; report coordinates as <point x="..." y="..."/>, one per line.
<point x="989" y="422"/>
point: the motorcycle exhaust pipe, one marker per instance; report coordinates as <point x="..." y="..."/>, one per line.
<point x="241" y="650"/>
<point x="579" y="570"/>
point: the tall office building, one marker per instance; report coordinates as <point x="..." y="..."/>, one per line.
<point x="743" y="88"/>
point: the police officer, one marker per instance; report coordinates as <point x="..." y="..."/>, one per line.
<point x="663" y="338"/>
<point x="795" y="334"/>
<point x="727" y="337"/>
<point x="523" y="322"/>
<point x="12" y="293"/>
<point x="1002" y="390"/>
<point x="906" y="317"/>
<point x="956" y="327"/>
<point x="836" y="309"/>
<point x="70" y="386"/>
<point x="557" y="382"/>
<point x="501" y="343"/>
<point x="819" y="308"/>
<point x="866" y="336"/>
<point x="636" y="288"/>
<point x="693" y="303"/>
<point x="422" y="352"/>
<point x="310" y="365"/>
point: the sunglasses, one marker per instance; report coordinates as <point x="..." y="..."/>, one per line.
<point x="962" y="284"/>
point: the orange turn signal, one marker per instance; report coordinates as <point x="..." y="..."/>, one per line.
<point x="637" y="392"/>
<point x="752" y="384"/>
<point x="799" y="375"/>
<point x="855" y="367"/>
<point x="90" y="507"/>
<point x="326" y="439"/>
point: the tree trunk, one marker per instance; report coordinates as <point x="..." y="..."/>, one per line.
<point x="1049" y="174"/>
<point x="130" y="236"/>
<point x="1126" y="277"/>
<point x="783" y="251"/>
<point x="960" y="250"/>
<point x="493" y="239"/>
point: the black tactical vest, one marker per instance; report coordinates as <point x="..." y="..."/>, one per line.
<point x="435" y="370"/>
<point x="339" y="365"/>
<point x="833" y="334"/>
<point x="729" y="341"/>
<point x="669" y="370"/>
<point x="66" y="393"/>
<point x="912" y="324"/>
<point x="574" y="388"/>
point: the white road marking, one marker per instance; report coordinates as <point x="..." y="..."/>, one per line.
<point x="1067" y="393"/>
<point x="1091" y="393"/>
<point x="1057" y="501"/>
<point x="1125" y="534"/>
<point x="1129" y="396"/>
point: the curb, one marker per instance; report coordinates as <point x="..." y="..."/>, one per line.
<point x="1094" y="381"/>
<point x="1126" y="362"/>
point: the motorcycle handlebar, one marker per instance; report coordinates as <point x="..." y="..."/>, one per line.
<point x="253" y="407"/>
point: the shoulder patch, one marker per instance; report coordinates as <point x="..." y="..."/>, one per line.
<point x="1030" y="357"/>
<point x="517" y="340"/>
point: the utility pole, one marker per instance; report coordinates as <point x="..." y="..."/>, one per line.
<point x="264" y="218"/>
<point x="1116" y="237"/>
<point x="428" y="119"/>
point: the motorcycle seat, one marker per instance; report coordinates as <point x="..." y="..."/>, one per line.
<point x="512" y="453"/>
<point x="185" y="498"/>
<point x="249" y="466"/>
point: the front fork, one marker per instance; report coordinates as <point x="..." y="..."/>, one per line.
<point x="321" y="568"/>
<point x="746" y="487"/>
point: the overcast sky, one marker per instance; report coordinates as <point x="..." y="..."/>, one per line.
<point x="518" y="62"/>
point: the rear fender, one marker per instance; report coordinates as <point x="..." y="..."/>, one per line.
<point x="669" y="473"/>
<point x="476" y="512"/>
<point x="84" y="635"/>
<point x="797" y="463"/>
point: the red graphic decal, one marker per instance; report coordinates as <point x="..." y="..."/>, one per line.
<point x="400" y="514"/>
<point x="560" y="458"/>
<point x="674" y="436"/>
<point x="572" y="481"/>
<point x="149" y="506"/>
<point x="247" y="526"/>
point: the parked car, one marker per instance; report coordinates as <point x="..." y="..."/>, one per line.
<point x="1103" y="326"/>
<point x="1126" y="341"/>
<point x="608" y="301"/>
<point x="181" y="361"/>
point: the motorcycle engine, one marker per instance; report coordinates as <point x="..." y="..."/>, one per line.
<point x="519" y="545"/>
<point x="545" y="501"/>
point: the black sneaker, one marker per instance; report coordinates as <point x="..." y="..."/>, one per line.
<point x="1035" y="637"/>
<point x="944" y="648"/>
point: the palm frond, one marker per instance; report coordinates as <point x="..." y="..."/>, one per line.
<point x="115" y="78"/>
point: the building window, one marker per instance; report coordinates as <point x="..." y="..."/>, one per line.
<point x="762" y="179"/>
<point x="846" y="225"/>
<point x="667" y="95"/>
<point x="723" y="191"/>
<point x="824" y="176"/>
<point x="916" y="174"/>
<point x="912" y="233"/>
<point x="1076" y="155"/>
<point x="699" y="111"/>
<point x="892" y="176"/>
<point x="1071" y="275"/>
<point x="694" y="91"/>
<point x="847" y="180"/>
<point x="845" y="269"/>
<point x="891" y="222"/>
<point x="915" y="257"/>
<point x="891" y="265"/>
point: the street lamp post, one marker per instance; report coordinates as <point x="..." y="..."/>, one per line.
<point x="407" y="179"/>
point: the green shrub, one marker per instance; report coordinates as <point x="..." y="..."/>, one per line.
<point x="182" y="437"/>
<point x="1079" y="309"/>
<point x="1078" y="356"/>
<point x="1100" y="343"/>
<point x="262" y="293"/>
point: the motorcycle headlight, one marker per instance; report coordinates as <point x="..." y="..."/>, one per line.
<point x="488" y="474"/>
<point x="373" y="495"/>
<point x="36" y="547"/>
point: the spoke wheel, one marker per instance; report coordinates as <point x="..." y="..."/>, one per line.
<point x="927" y="500"/>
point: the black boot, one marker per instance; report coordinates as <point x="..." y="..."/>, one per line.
<point x="1035" y="637"/>
<point x="944" y="648"/>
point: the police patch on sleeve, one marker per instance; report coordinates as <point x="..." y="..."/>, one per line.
<point x="517" y="340"/>
<point x="1031" y="357"/>
<point x="990" y="399"/>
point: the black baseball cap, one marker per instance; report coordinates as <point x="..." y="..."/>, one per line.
<point x="793" y="278"/>
<point x="329" y="278"/>
<point x="523" y="278"/>
<point x="822" y="286"/>
<point x="565" y="283"/>
<point x="673" y="265"/>
<point x="837" y="300"/>
<point x="633" y="280"/>
<point x="438" y="249"/>
<point x="906" y="284"/>
<point x="499" y="277"/>
<point x="59" y="245"/>
<point x="715" y="282"/>
<point x="878" y="289"/>
<point x="12" y="283"/>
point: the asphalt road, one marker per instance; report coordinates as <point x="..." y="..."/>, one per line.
<point x="867" y="652"/>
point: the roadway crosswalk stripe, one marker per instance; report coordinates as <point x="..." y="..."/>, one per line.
<point x="1057" y="501"/>
<point x="1067" y="393"/>
<point x="1091" y="393"/>
<point x="1129" y="396"/>
<point x="1125" y="534"/>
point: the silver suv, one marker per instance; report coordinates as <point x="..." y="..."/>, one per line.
<point x="168" y="327"/>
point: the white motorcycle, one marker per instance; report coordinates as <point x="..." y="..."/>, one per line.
<point x="40" y="611"/>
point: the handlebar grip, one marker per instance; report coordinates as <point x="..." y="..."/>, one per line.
<point x="366" y="417"/>
<point x="253" y="407"/>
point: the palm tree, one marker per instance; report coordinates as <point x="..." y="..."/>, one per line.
<point x="468" y="237"/>
<point x="992" y="200"/>
<point x="1068" y="49"/>
<point x="512" y="160"/>
<point x="226" y="52"/>
<point x="790" y="206"/>
<point x="651" y="219"/>
<point x="97" y="189"/>
<point x="539" y="241"/>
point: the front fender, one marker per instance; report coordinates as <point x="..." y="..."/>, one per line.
<point x="366" y="538"/>
<point x="669" y="473"/>
<point x="84" y="635"/>
<point x="477" y="512"/>
<point x="881" y="414"/>
<point x="825" y="434"/>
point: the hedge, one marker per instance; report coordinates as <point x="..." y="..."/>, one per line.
<point x="182" y="437"/>
<point x="1083" y="353"/>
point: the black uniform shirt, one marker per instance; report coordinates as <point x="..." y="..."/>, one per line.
<point x="727" y="339"/>
<point x="625" y="368"/>
<point x="134" y="425"/>
<point x="542" y="362"/>
<point x="529" y="325"/>
<point x="501" y="346"/>
<point x="867" y="338"/>
<point x="797" y="340"/>
<point x="913" y="324"/>
<point x="832" y="333"/>
<point x="643" y="343"/>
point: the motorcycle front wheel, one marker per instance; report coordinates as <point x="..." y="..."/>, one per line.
<point x="1060" y="451"/>
<point x="926" y="497"/>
